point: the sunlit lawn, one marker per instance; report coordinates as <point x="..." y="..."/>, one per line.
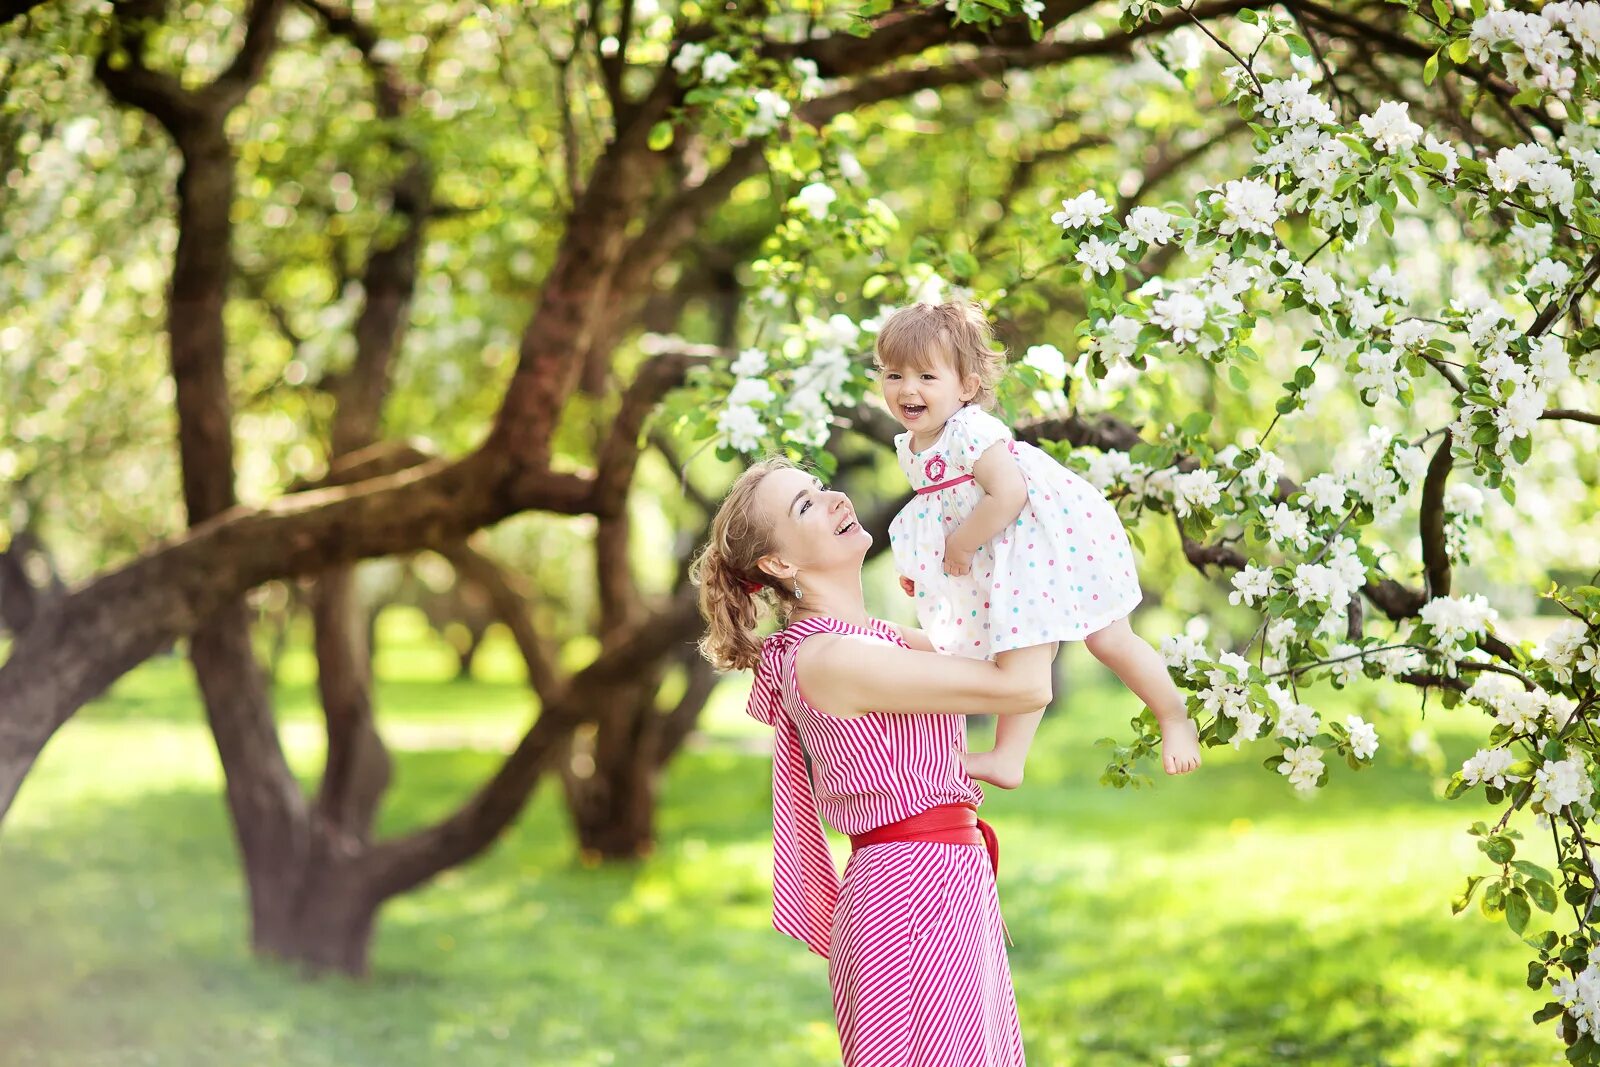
<point x="1214" y="920"/>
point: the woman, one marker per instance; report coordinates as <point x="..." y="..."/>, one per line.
<point x="913" y="936"/>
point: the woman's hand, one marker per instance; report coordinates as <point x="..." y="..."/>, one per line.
<point x="957" y="560"/>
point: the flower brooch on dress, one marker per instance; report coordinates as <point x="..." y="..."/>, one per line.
<point x="934" y="469"/>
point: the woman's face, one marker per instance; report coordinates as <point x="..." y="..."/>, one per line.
<point x="814" y="527"/>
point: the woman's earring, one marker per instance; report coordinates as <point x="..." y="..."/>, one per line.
<point x="797" y="594"/>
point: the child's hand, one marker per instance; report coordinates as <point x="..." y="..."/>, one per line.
<point x="956" y="561"/>
<point x="1180" y="746"/>
<point x="908" y="585"/>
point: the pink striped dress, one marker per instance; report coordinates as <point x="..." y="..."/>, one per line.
<point x="913" y="935"/>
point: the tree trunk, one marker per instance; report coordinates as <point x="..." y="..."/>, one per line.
<point x="612" y="772"/>
<point x="317" y="911"/>
<point x="358" y="767"/>
<point x="613" y="811"/>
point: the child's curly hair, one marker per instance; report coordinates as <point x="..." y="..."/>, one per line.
<point x="955" y="333"/>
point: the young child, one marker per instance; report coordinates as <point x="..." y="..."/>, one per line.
<point x="1005" y="551"/>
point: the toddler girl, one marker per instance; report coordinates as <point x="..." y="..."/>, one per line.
<point x="1005" y="551"/>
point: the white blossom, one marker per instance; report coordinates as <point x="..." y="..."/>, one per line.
<point x="1048" y="361"/>
<point x="1250" y="585"/>
<point x="688" y="58"/>
<point x="1118" y="338"/>
<point x="1390" y="127"/>
<point x="749" y="391"/>
<point x="1297" y="721"/>
<point x="1149" y="225"/>
<point x="1412" y="333"/>
<point x="1303" y="766"/>
<point x="816" y="199"/>
<point x="718" y="66"/>
<point x="1250" y="205"/>
<point x="1448" y="151"/>
<point x="1490" y="766"/>
<point x="771" y="109"/>
<point x="1456" y="618"/>
<point x="1098" y="256"/>
<point x="1561" y="783"/>
<point x="1325" y="493"/>
<point x="1180" y="314"/>
<point x="1551" y="273"/>
<point x="751" y="362"/>
<point x="1194" y="491"/>
<point x="741" y="426"/>
<point x="1084" y="209"/>
<point x="1287" y="526"/>
<point x="1181" y="651"/>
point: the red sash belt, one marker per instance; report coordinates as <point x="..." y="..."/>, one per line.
<point x="947" y="824"/>
<point x="943" y="485"/>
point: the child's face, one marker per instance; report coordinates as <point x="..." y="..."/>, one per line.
<point x="923" y="400"/>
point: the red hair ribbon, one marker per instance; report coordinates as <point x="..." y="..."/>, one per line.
<point x="753" y="587"/>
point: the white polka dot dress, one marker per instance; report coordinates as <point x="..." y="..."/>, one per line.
<point x="1061" y="572"/>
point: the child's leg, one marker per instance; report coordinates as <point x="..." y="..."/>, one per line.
<point x="1142" y="670"/>
<point x="1013" y="734"/>
<point x="1140" y="667"/>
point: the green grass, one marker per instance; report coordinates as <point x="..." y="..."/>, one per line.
<point x="1215" y="920"/>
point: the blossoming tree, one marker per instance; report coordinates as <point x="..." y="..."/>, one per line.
<point x="1298" y="263"/>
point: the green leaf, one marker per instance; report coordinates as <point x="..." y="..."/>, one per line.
<point x="1536" y="974"/>
<point x="1548" y="1011"/>
<point x="1533" y="870"/>
<point x="1499" y="848"/>
<point x="1430" y="69"/>
<point x="1297" y="44"/>
<point x="1522" y="448"/>
<point x="1462" y="899"/>
<point x="964" y="264"/>
<point x="1460" y="50"/>
<point x="1543" y="894"/>
<point x="1197" y="423"/>
<point x="660" y="136"/>
<point x="1517" y="910"/>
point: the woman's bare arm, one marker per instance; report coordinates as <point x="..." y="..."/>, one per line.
<point x="845" y="675"/>
<point x="917" y="639"/>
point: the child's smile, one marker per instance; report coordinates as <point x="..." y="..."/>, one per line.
<point x="922" y="400"/>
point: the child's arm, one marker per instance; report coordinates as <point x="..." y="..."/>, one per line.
<point x="1005" y="492"/>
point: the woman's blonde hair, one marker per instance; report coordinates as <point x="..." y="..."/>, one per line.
<point x="731" y="585"/>
<point x="958" y="332"/>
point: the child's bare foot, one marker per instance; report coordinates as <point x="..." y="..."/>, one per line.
<point x="1180" y="748"/>
<point x="996" y="768"/>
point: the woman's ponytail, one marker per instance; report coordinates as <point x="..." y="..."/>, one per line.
<point x="733" y="588"/>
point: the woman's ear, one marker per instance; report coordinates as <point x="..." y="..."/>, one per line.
<point x="775" y="567"/>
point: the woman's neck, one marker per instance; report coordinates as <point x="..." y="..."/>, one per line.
<point x="818" y="604"/>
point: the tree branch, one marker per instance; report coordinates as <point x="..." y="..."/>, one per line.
<point x="1435" y="554"/>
